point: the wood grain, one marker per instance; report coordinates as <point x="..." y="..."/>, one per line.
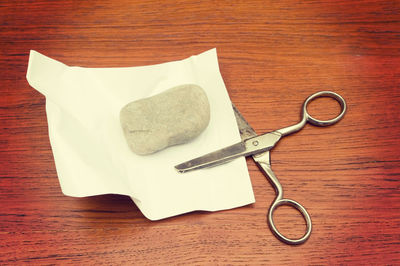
<point x="272" y="55"/>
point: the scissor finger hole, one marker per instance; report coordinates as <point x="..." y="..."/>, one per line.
<point x="289" y="221"/>
<point x="324" y="108"/>
<point x="286" y="224"/>
<point x="323" y="103"/>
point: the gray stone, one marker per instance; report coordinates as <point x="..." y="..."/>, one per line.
<point x="172" y="117"/>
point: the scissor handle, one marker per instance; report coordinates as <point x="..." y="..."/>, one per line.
<point x="319" y="122"/>
<point x="301" y="209"/>
<point x="306" y="117"/>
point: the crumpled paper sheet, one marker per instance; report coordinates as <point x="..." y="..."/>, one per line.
<point x="93" y="158"/>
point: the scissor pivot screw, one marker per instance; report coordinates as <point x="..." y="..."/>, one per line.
<point x="255" y="143"/>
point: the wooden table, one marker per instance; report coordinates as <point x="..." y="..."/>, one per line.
<point x="272" y="55"/>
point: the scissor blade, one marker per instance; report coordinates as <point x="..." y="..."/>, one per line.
<point x="245" y="130"/>
<point x="214" y="158"/>
<point x="250" y="144"/>
<point x="255" y="145"/>
<point x="225" y="154"/>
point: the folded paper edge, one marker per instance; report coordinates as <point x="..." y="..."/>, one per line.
<point x="40" y="67"/>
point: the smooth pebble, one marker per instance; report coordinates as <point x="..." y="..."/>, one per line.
<point x="172" y="117"/>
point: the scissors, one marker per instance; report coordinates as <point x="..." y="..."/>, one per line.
<point x="259" y="146"/>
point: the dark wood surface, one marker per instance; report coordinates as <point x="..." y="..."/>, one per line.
<point x="272" y="55"/>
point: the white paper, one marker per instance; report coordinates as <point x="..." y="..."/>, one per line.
<point x="93" y="158"/>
